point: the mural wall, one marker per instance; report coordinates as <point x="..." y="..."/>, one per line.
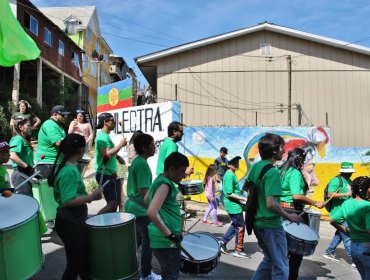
<point x="202" y="144"/>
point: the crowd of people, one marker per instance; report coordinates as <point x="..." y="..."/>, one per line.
<point x="283" y="193"/>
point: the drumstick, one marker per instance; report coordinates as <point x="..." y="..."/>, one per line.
<point x="26" y="181"/>
<point x="193" y="226"/>
<point x="195" y="160"/>
<point x="178" y="245"/>
<point x="305" y="210"/>
<point x="103" y="186"/>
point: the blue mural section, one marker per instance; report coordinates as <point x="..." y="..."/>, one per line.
<point x="205" y="142"/>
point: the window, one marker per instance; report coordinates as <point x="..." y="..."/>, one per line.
<point x="88" y="34"/>
<point x="47" y="36"/>
<point x="61" y="48"/>
<point x="265" y="49"/>
<point x="34" y="25"/>
<point x="106" y="57"/>
<point x="75" y="60"/>
<point x="97" y="46"/>
<point x="93" y="69"/>
<point x="85" y="61"/>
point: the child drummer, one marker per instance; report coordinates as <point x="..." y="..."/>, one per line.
<point x="164" y="212"/>
<point x="4" y="158"/>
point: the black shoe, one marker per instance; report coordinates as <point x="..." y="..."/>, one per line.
<point x="223" y="247"/>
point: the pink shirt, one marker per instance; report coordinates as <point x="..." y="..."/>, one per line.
<point x="83" y="129"/>
<point x="210" y="188"/>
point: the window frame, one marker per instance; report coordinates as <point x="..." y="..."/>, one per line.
<point x="34" y="20"/>
<point x="61" y="43"/>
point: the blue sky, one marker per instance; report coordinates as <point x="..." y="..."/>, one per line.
<point x="139" y="27"/>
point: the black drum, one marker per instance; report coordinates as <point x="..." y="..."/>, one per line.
<point x="205" y="250"/>
<point x="191" y="187"/>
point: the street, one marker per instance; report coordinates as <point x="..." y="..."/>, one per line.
<point x="229" y="267"/>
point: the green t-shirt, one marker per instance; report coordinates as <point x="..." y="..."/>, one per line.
<point x="169" y="212"/>
<point x="68" y="184"/>
<point x="292" y="183"/>
<point x="167" y="148"/>
<point x="230" y="185"/>
<point x="23" y="149"/>
<point x="270" y="185"/>
<point x="19" y="114"/>
<point x="357" y="215"/>
<point x="139" y="177"/>
<point x="4" y="178"/>
<point x="50" y="133"/>
<point x="104" y="141"/>
<point x="333" y="186"/>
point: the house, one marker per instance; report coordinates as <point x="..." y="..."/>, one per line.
<point x="267" y="75"/>
<point x="81" y="23"/>
<point x="60" y="58"/>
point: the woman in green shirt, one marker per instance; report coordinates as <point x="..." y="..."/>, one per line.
<point x="294" y="197"/>
<point x="21" y="155"/>
<point x="72" y="197"/>
<point x="356" y="212"/>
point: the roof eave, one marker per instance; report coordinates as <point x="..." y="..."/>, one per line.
<point x="241" y="32"/>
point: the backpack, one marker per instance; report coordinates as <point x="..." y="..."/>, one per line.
<point x="328" y="204"/>
<point x="252" y="202"/>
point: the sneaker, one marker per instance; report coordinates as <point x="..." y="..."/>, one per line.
<point x="330" y="257"/>
<point x="353" y="264"/>
<point x="152" y="276"/>
<point x="50" y="224"/>
<point x="205" y="222"/>
<point x="217" y="224"/>
<point x="241" y="254"/>
<point x="223" y="247"/>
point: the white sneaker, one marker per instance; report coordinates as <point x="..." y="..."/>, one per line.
<point x="241" y="254"/>
<point x="152" y="276"/>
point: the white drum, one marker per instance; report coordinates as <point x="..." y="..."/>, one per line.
<point x="205" y="250"/>
<point x="302" y="240"/>
<point x="191" y="187"/>
<point x="314" y="219"/>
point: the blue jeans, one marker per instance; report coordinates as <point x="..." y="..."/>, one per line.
<point x="142" y="237"/>
<point x="237" y="229"/>
<point x="275" y="261"/>
<point x="361" y="261"/>
<point x="170" y="262"/>
<point x="337" y="238"/>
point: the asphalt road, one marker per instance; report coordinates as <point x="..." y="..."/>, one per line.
<point x="229" y="267"/>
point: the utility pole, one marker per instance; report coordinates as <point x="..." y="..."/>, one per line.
<point x="289" y="60"/>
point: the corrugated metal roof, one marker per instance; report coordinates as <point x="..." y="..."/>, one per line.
<point x="263" y="26"/>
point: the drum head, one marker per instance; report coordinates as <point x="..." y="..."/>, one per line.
<point x="110" y="219"/>
<point x="201" y="245"/>
<point x="191" y="183"/>
<point x="16" y="209"/>
<point x="300" y="231"/>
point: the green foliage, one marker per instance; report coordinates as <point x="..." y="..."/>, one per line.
<point x="5" y="131"/>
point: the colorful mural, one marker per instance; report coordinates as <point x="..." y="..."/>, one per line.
<point x="202" y="144"/>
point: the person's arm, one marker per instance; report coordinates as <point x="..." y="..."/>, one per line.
<point x="236" y="197"/>
<point x="91" y="134"/>
<point x="275" y="207"/>
<point x="81" y="200"/>
<point x="14" y="157"/>
<point x="155" y="206"/>
<point x="11" y="122"/>
<point x="306" y="200"/>
<point x="37" y="122"/>
<point x="72" y="125"/>
<point x="110" y="152"/>
<point x="340" y="227"/>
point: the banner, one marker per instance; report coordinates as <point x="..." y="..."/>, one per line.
<point x="15" y="44"/>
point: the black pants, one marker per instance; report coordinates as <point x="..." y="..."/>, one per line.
<point x="72" y="231"/>
<point x="295" y="260"/>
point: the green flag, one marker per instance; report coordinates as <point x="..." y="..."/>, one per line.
<point x="15" y="44"/>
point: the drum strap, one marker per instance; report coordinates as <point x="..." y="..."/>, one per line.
<point x="138" y="202"/>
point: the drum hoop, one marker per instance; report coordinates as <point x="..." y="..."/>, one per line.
<point x="216" y="256"/>
<point x="110" y="226"/>
<point x="20" y="223"/>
